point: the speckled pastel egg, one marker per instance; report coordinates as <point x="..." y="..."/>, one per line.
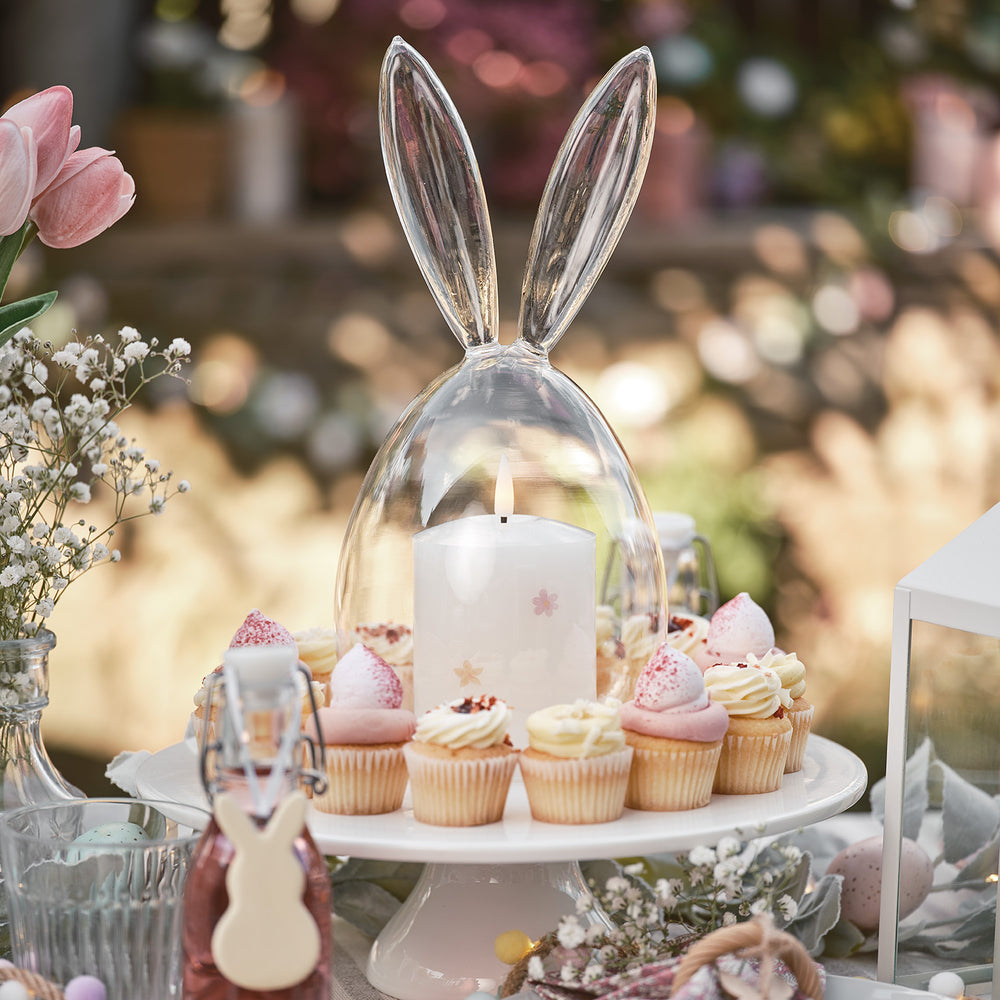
<point x="113" y="833"/>
<point x="861" y="866"/>
<point x="85" y="988"/>
<point x="13" y="990"/>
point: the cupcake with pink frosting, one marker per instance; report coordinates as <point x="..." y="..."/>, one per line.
<point x="256" y="630"/>
<point x="363" y="730"/>
<point x="675" y="732"/>
<point x="739" y="627"/>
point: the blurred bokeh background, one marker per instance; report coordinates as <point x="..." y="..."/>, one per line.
<point x="797" y="339"/>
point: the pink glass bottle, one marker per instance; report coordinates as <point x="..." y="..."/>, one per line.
<point x="258" y="762"/>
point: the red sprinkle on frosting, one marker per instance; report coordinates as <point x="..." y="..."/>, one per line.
<point x="259" y="630"/>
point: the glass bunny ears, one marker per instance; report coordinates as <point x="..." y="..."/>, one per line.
<point x="438" y="192"/>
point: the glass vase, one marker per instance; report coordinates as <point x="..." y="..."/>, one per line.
<point x="27" y="774"/>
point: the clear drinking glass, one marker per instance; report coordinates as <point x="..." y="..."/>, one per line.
<point x="95" y="886"/>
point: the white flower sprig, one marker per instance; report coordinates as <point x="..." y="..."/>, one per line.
<point x="657" y="918"/>
<point x="54" y="451"/>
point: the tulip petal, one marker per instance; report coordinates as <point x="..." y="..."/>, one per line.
<point x="17" y="175"/>
<point x="92" y="192"/>
<point x="49" y="115"/>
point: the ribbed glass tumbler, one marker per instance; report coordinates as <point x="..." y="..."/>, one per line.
<point x="95" y="886"/>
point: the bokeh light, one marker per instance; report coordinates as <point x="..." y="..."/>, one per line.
<point x="835" y="309"/>
<point x="631" y="394"/>
<point x="726" y="352"/>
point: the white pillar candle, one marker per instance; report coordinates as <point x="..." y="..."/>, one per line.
<point x="504" y="605"/>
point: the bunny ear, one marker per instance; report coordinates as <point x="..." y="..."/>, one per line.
<point x="288" y="819"/>
<point x="588" y="198"/>
<point x="438" y="193"/>
<point x="233" y="821"/>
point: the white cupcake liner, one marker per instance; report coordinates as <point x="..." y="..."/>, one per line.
<point x="801" y="720"/>
<point x="467" y="791"/>
<point x="586" y="790"/>
<point x="672" y="780"/>
<point x="749" y="765"/>
<point x="362" y="781"/>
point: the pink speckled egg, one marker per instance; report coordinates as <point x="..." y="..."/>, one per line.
<point x="861" y="866"/>
<point x="739" y="627"/>
<point x="362" y="679"/>
<point x="671" y="679"/>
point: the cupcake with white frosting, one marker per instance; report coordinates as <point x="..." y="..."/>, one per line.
<point x="755" y="747"/>
<point x="800" y="712"/>
<point x="576" y="765"/>
<point x="688" y="633"/>
<point x="460" y="762"/>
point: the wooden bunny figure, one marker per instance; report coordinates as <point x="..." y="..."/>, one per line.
<point x="504" y="402"/>
<point x="266" y="939"/>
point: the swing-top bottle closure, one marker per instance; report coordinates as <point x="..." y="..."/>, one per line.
<point x="258" y="743"/>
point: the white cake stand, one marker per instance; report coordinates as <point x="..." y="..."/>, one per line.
<point x="518" y="874"/>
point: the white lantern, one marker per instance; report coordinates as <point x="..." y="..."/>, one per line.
<point x="943" y="762"/>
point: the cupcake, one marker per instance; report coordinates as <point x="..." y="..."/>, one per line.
<point x="363" y="731"/>
<point x="793" y="679"/>
<point x="739" y="627"/>
<point x="460" y="762"/>
<point x="610" y="650"/>
<point x="755" y="747"/>
<point x="394" y="644"/>
<point x="689" y="634"/>
<point x="257" y="630"/>
<point x="318" y="651"/>
<point x="576" y="765"/>
<point x="676" y="733"/>
<point x="641" y="635"/>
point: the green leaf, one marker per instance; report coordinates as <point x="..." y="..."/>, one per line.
<point x="916" y="797"/>
<point x="397" y="877"/>
<point x="10" y="250"/>
<point x="365" y="905"/>
<point x="843" y="939"/>
<point x="819" y="913"/>
<point x="15" y="315"/>
<point x="970" y="817"/>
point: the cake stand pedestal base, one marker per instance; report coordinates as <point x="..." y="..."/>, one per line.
<point x="439" y="946"/>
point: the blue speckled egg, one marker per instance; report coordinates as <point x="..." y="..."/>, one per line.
<point x="113" y="833"/>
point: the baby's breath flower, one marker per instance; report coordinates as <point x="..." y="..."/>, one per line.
<point x="714" y="888"/>
<point x="136" y="351"/>
<point x="52" y="453"/>
<point x="536" y="968"/>
<point x="570" y="933"/>
<point x="701" y="855"/>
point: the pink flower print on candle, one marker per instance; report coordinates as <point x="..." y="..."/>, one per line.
<point x="545" y="603"/>
<point x="467" y="673"/>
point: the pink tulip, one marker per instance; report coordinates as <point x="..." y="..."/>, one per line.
<point x="49" y="115"/>
<point x="90" y="193"/>
<point x="17" y="175"/>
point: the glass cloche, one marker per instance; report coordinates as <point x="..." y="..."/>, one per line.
<point x="501" y="543"/>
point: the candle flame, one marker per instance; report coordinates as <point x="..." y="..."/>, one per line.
<point x="503" y="501"/>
